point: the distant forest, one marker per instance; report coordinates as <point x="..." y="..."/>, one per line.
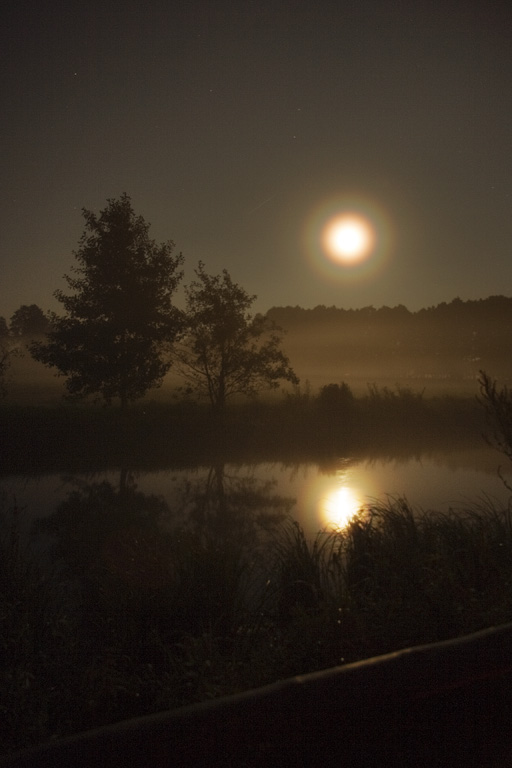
<point x="440" y="349"/>
<point x="447" y="343"/>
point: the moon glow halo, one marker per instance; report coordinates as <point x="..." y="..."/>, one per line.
<point x="347" y="239"/>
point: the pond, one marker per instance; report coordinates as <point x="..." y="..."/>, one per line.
<point x="317" y="496"/>
<point x="175" y="586"/>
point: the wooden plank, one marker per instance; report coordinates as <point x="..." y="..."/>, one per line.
<point x="446" y="704"/>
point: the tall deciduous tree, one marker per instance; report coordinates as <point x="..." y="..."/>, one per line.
<point x="225" y="350"/>
<point x="120" y="317"/>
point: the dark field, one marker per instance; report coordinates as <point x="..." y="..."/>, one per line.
<point x="296" y="426"/>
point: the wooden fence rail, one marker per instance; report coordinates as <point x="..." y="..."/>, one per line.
<point x="447" y="704"/>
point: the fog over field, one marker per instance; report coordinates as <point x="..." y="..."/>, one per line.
<point x="438" y="350"/>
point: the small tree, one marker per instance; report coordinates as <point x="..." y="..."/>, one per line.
<point x="225" y="351"/>
<point x="29" y="322"/>
<point x="335" y="398"/>
<point x="120" y="317"/>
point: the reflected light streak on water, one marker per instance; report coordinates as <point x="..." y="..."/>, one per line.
<point x="330" y="500"/>
<point x="324" y="498"/>
<point x="339" y="506"/>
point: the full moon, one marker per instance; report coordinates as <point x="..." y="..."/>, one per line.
<point x="348" y="238"/>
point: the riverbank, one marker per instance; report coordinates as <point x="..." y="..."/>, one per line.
<point x="65" y="437"/>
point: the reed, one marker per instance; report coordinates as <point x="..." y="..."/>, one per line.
<point x="210" y="615"/>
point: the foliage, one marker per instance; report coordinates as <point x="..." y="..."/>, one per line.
<point x="29" y="640"/>
<point x="121" y="632"/>
<point x="8" y="350"/>
<point x="388" y="397"/>
<point x="497" y="403"/>
<point x="443" y="345"/>
<point x="4" y="365"/>
<point x="4" y="329"/>
<point x="29" y="322"/>
<point x="120" y="316"/>
<point x="225" y="351"/>
<point x="335" y="397"/>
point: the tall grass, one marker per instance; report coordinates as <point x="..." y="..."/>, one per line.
<point x="32" y="626"/>
<point x="210" y="615"/>
<point x="396" y="577"/>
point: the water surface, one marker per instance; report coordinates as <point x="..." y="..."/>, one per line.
<point x="324" y="496"/>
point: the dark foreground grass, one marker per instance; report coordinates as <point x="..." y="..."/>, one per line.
<point x="156" y="620"/>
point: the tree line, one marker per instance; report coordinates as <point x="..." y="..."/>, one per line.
<point x="456" y="338"/>
<point x="491" y="309"/>
<point x="121" y="330"/>
<point x="473" y="327"/>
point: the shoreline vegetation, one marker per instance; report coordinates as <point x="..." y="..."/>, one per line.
<point x="296" y="427"/>
<point x="126" y="616"/>
<point x="148" y="623"/>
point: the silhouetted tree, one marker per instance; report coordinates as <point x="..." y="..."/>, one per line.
<point x="8" y="349"/>
<point x="29" y="321"/>
<point x="104" y="523"/>
<point x="4" y="365"/>
<point x="225" y="351"/>
<point x="223" y="540"/>
<point x="4" y="329"/>
<point x="120" y="318"/>
<point x="335" y="397"/>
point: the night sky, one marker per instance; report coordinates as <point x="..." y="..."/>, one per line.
<point x="238" y="128"/>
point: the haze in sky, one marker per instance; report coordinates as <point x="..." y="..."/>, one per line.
<point x="242" y="130"/>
